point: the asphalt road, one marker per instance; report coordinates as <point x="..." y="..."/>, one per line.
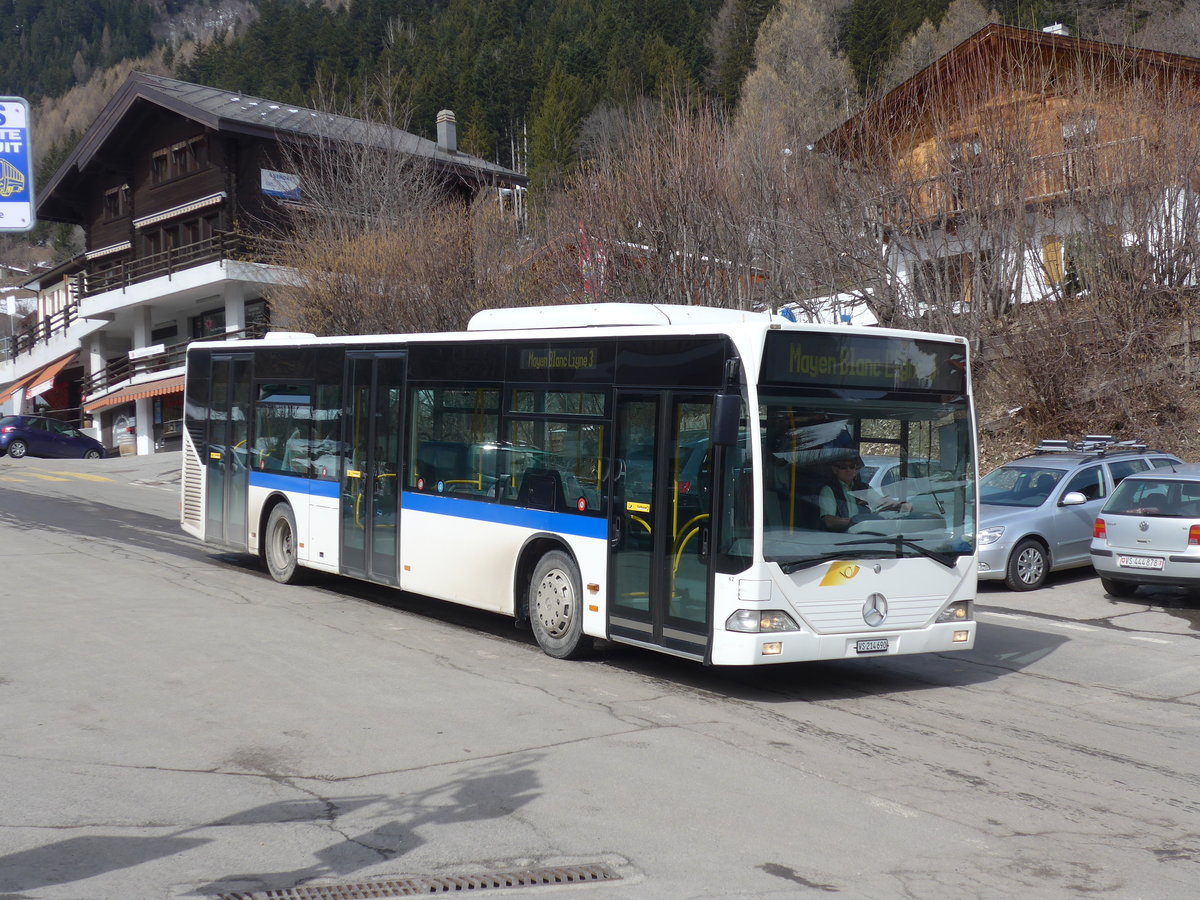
<point x="175" y="724"/>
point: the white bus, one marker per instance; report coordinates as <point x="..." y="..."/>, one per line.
<point x="653" y="475"/>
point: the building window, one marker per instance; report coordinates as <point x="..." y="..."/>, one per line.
<point x="179" y="159"/>
<point x="116" y="202"/>
<point x="159" y="167"/>
<point x="1080" y="164"/>
<point x="258" y="318"/>
<point x="208" y="324"/>
<point x="964" y="157"/>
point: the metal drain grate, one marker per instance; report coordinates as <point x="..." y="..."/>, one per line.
<point x="411" y="887"/>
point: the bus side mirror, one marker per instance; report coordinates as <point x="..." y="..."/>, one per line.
<point x="727" y="413"/>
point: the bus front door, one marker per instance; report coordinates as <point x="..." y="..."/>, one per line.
<point x="660" y="525"/>
<point x="227" y="473"/>
<point x="370" y="477"/>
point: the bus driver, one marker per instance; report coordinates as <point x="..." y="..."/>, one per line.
<point x="845" y="499"/>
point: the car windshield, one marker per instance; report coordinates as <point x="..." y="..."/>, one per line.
<point x="922" y="510"/>
<point x="1018" y="485"/>
<point x="1152" y="497"/>
<point x="9" y="420"/>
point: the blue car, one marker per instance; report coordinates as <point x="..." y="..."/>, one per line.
<point x="22" y="436"/>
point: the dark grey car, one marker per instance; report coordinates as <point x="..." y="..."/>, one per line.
<point x="1036" y="513"/>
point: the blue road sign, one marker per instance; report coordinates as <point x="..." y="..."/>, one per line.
<point x="16" y="165"/>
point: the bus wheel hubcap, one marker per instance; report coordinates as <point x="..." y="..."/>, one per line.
<point x="283" y="545"/>
<point x="555" y="603"/>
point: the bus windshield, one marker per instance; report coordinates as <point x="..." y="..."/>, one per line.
<point x="883" y="477"/>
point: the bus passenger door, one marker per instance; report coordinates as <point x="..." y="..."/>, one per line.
<point x="374" y="418"/>
<point x="227" y="462"/>
<point x="660" y="527"/>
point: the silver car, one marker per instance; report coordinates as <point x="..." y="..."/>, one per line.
<point x="924" y="483"/>
<point x="1149" y="532"/>
<point x="1036" y="513"/>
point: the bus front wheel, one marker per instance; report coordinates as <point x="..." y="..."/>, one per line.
<point x="556" y="607"/>
<point x="279" y="545"/>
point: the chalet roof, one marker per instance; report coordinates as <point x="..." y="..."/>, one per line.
<point x="987" y="44"/>
<point x="233" y="112"/>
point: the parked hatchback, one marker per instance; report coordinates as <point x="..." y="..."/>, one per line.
<point x="22" y="436"/>
<point x="1149" y="532"/>
<point x="1036" y="513"/>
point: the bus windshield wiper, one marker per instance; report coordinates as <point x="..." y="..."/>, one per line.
<point x="809" y="561"/>
<point x="946" y="559"/>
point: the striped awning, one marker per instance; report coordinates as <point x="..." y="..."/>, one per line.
<point x="39" y="380"/>
<point x="172" y="385"/>
<point x="182" y="210"/>
<point x="105" y="251"/>
<point x="45" y="378"/>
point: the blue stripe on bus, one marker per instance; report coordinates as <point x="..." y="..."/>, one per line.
<point x="541" y="520"/>
<point x="297" y="484"/>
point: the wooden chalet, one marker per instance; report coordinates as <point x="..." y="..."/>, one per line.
<point x="1030" y="121"/>
<point x="175" y="186"/>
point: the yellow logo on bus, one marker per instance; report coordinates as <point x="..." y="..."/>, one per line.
<point x="839" y="573"/>
<point x="637" y="507"/>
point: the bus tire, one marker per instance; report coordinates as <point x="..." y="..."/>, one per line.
<point x="556" y="607"/>
<point x="279" y="545"/>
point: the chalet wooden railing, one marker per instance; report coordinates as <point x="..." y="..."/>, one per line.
<point x="89" y="284"/>
<point x="129" y="272"/>
<point x="1051" y="176"/>
<point x="171" y="357"/>
<point x="40" y="332"/>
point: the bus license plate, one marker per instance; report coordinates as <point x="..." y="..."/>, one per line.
<point x="873" y="646"/>
<point x="1140" y="562"/>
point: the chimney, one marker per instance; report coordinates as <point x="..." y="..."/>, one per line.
<point x="447" y="131"/>
<point x="1057" y="28"/>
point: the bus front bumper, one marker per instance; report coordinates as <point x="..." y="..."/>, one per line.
<point x="742" y="649"/>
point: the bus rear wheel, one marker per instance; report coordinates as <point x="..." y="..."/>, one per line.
<point x="279" y="545"/>
<point x="556" y="607"/>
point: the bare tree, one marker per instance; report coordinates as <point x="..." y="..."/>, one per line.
<point x="1044" y="204"/>
<point x="961" y="20"/>
<point x="379" y="242"/>
<point x="799" y="87"/>
<point x="655" y="214"/>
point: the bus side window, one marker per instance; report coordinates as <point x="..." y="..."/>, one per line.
<point x="442" y="463"/>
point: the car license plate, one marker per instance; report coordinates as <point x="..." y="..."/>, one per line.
<point x="875" y="646"/>
<point x="1140" y="562"/>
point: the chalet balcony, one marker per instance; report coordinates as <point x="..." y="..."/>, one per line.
<point x="157" y="362"/>
<point x="128" y="272"/>
<point x="94" y="282"/>
<point x="1063" y="177"/>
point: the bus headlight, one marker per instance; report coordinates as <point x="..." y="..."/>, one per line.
<point x="958" y="611"/>
<point x="986" y="536"/>
<point x="754" y="621"/>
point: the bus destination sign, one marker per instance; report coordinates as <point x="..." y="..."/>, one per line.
<point x="864" y="362"/>
<point x="541" y="359"/>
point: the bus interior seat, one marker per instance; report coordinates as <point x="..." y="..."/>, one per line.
<point x="541" y="489"/>
<point x="444" y="459"/>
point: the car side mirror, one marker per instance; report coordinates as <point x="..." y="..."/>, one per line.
<point x="1072" y="498"/>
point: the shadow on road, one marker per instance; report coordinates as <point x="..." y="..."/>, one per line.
<point x="491" y="789"/>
